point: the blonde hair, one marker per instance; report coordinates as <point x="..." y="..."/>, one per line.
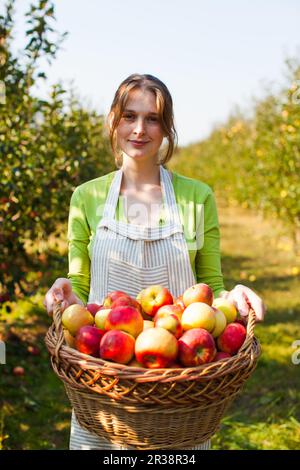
<point x="164" y="104"/>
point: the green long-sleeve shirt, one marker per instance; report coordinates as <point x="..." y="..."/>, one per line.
<point x="198" y="213"/>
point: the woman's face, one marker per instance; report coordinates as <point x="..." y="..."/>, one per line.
<point x="139" y="133"/>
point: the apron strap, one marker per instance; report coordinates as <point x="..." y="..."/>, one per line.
<point x="173" y="223"/>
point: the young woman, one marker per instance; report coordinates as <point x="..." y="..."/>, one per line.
<point x="142" y="225"/>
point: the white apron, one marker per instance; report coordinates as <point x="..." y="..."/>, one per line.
<point x="130" y="257"/>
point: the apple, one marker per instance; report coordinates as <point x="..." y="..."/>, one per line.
<point x="75" y="316"/>
<point x="221" y="355"/>
<point x="117" y="346"/>
<point x="18" y="370"/>
<point x="232" y="338"/>
<point x="134" y="363"/>
<point x="100" y="317"/>
<point x="227" y="307"/>
<point x="154" y="297"/>
<point x="34" y="350"/>
<point x="126" y="300"/>
<point x="220" y="323"/>
<point x="198" y="293"/>
<point x="169" y="309"/>
<point x="156" y="348"/>
<point x="196" y="347"/>
<point x="112" y="296"/>
<point x="176" y="365"/>
<point x="198" y="315"/>
<point x="148" y="324"/>
<point x="179" y="302"/>
<point x="69" y="339"/>
<point x="170" y="323"/>
<point x="88" y="339"/>
<point x="125" y="318"/>
<point x="93" y="308"/>
<point x="139" y="300"/>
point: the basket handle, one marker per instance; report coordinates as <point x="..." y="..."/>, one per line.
<point x="250" y="332"/>
<point x="57" y="313"/>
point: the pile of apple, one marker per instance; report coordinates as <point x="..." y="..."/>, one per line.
<point x="156" y="331"/>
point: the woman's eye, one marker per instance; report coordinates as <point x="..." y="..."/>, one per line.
<point x="131" y="117"/>
<point x="128" y="116"/>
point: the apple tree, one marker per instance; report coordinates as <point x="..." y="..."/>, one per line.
<point x="47" y="146"/>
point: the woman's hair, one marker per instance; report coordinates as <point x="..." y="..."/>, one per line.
<point x="164" y="104"/>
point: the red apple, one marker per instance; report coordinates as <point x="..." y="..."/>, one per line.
<point x="221" y="355"/>
<point x="179" y="302"/>
<point x="198" y="293"/>
<point x="168" y="310"/>
<point x="112" y="296"/>
<point x="34" y="350"/>
<point x="156" y="348"/>
<point x="125" y="318"/>
<point x="88" y="339"/>
<point x="154" y="297"/>
<point x="198" y="315"/>
<point x="126" y="300"/>
<point x="170" y="323"/>
<point x="93" y="308"/>
<point x="18" y="370"/>
<point x="232" y="338"/>
<point x="139" y="300"/>
<point x="134" y="363"/>
<point x="117" y="346"/>
<point x="75" y="316"/>
<point x="196" y="347"/>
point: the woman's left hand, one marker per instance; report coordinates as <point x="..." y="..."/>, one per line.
<point x="244" y="298"/>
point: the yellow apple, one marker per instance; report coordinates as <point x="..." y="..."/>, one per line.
<point x="220" y="323"/>
<point x="75" y="316"/>
<point x="148" y="324"/>
<point x="100" y="317"/>
<point x="198" y="315"/>
<point x="70" y="340"/>
<point x="227" y="307"/>
<point x="153" y="297"/>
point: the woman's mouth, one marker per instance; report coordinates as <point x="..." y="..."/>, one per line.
<point x="138" y="143"/>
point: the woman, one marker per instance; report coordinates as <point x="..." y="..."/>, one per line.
<point x="142" y="225"/>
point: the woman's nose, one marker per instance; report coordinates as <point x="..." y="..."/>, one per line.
<point x="139" y="126"/>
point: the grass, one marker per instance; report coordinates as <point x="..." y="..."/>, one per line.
<point x="257" y="254"/>
<point x="35" y="413"/>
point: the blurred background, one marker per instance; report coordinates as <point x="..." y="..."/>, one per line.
<point x="233" y="69"/>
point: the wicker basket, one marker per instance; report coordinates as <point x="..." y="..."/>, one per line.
<point x="175" y="408"/>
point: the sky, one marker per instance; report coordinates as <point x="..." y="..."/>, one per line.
<point x="213" y="55"/>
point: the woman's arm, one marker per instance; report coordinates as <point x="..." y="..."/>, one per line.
<point x="78" y="239"/>
<point x="208" y="258"/>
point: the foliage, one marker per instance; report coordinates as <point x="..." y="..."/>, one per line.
<point x="47" y="147"/>
<point x="253" y="159"/>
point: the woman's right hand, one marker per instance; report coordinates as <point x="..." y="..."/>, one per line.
<point x="61" y="290"/>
